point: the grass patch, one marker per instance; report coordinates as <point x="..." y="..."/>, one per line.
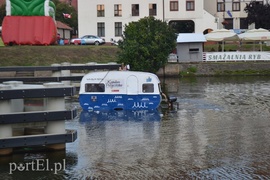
<point x="27" y="55"/>
<point x="47" y="55"/>
<point x="1" y="42"/>
<point x="189" y="72"/>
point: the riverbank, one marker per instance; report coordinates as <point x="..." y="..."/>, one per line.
<point x="176" y="70"/>
<point x="48" y="55"/>
<point x="215" y="69"/>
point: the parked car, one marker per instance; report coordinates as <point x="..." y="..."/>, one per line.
<point x="88" y="39"/>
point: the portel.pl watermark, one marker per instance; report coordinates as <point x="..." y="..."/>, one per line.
<point x="38" y="165"/>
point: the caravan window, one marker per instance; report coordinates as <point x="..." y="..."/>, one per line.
<point x="148" y="88"/>
<point x="94" y="87"/>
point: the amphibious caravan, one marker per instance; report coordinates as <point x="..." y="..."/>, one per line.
<point x="119" y="90"/>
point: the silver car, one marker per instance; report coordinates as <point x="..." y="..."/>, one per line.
<point x="88" y="39"/>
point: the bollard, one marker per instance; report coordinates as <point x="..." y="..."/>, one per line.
<point x="17" y="105"/>
<point x="5" y="129"/>
<point x="65" y="73"/>
<point x="56" y="73"/>
<point x="55" y="127"/>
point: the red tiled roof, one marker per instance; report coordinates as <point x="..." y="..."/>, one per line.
<point x="61" y="25"/>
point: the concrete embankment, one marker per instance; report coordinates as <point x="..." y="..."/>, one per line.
<point x="183" y="69"/>
<point x="215" y="69"/>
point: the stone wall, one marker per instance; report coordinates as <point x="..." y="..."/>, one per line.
<point x="174" y="69"/>
<point x="219" y="68"/>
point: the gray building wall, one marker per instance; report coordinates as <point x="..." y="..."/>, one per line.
<point x="190" y="52"/>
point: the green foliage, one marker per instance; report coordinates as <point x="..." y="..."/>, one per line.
<point x="259" y="14"/>
<point x="67" y="9"/>
<point x="146" y="44"/>
<point x="189" y="72"/>
<point x="46" y="55"/>
<point x="183" y="26"/>
<point x="1" y="42"/>
<point x="192" y="69"/>
<point x="2" y="12"/>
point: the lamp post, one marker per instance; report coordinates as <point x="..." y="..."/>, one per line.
<point x="224" y="22"/>
<point x="163" y="10"/>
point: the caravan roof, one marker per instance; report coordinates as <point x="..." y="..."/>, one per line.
<point x="190" y="37"/>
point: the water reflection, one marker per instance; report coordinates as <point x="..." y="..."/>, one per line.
<point x="122" y="115"/>
<point x="110" y="142"/>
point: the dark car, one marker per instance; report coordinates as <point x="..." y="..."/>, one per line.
<point x="87" y="40"/>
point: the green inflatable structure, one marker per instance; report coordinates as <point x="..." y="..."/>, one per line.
<point x="30" y="8"/>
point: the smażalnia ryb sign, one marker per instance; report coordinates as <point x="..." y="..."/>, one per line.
<point x="237" y="56"/>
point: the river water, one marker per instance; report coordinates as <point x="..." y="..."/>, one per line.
<point x="220" y="130"/>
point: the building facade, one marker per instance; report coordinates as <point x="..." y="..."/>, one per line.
<point x="107" y="19"/>
<point x="230" y="14"/>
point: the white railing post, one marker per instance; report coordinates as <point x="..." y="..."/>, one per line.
<point x="17" y="105"/>
<point x="66" y="73"/>
<point x="56" y="73"/>
<point x="5" y="129"/>
<point x="55" y="104"/>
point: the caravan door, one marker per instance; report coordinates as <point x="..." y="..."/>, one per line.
<point x="132" y="85"/>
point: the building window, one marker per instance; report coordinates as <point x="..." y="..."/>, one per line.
<point x="100" y="10"/>
<point x="173" y="5"/>
<point x="229" y="24"/>
<point x="117" y="10"/>
<point x="220" y="6"/>
<point x="190" y="5"/>
<point x="118" y="28"/>
<point x="152" y="9"/>
<point x="101" y="29"/>
<point x="236" y="5"/>
<point x="135" y="9"/>
<point x="243" y="23"/>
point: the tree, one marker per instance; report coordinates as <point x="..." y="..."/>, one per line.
<point x="67" y="9"/>
<point x="146" y="44"/>
<point x="2" y="13"/>
<point x="183" y="26"/>
<point x="259" y="14"/>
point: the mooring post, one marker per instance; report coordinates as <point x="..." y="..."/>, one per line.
<point x="55" y="104"/>
<point x="66" y="73"/>
<point x="5" y="129"/>
<point x="56" y="73"/>
<point x="17" y="105"/>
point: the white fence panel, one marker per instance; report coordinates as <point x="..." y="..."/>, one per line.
<point x="236" y="56"/>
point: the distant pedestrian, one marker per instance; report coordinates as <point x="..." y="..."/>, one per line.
<point x="58" y="38"/>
